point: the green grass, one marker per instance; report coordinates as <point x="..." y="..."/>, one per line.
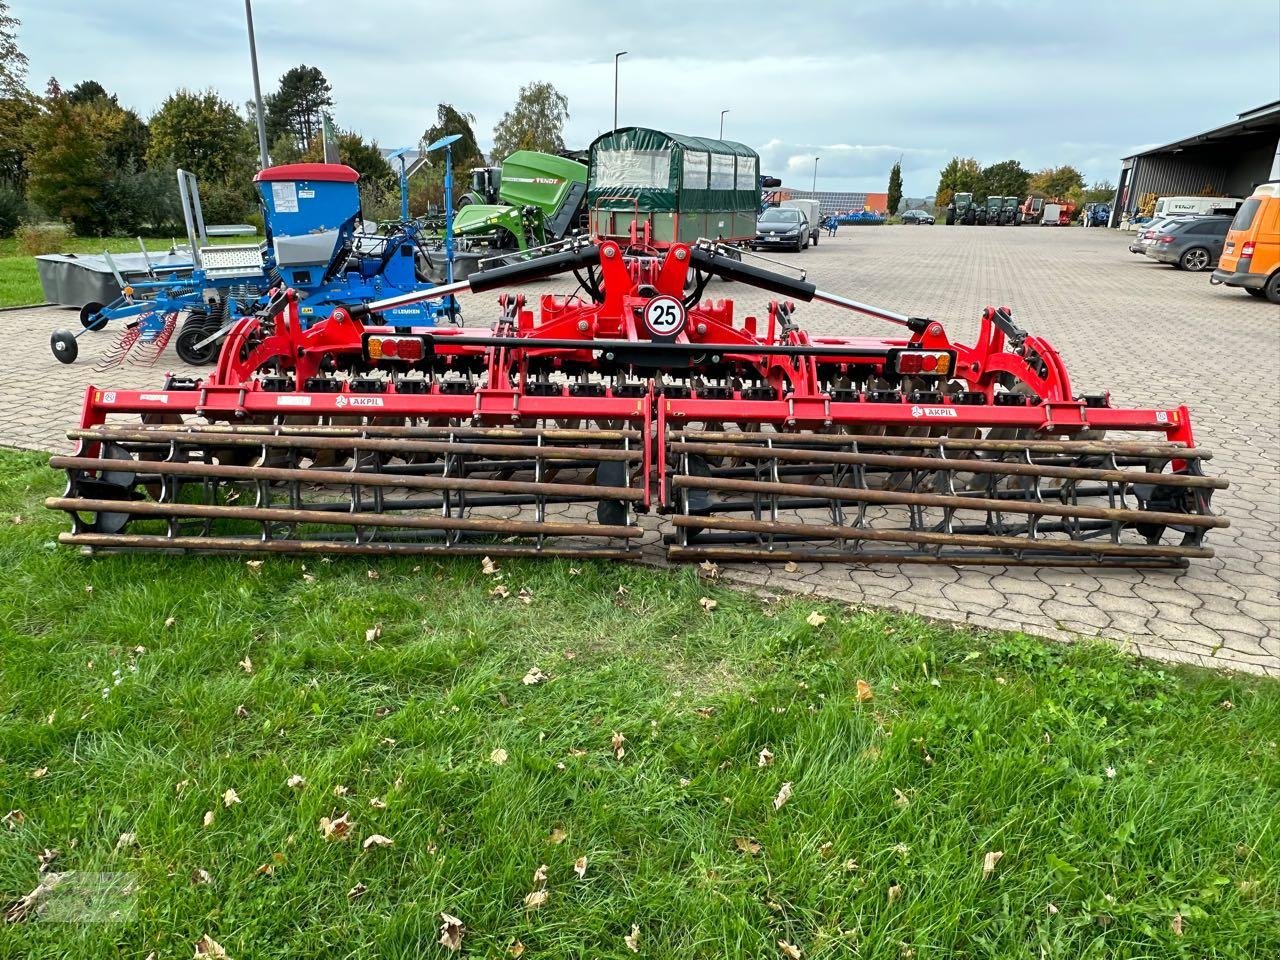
<point x="20" y="283"/>
<point x="1121" y="794"/>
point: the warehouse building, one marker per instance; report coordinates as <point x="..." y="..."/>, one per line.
<point x="1228" y="161"/>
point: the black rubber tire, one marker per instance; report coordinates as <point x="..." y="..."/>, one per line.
<point x="1194" y="264"/>
<point x="87" y="312"/>
<point x="194" y="329"/>
<point x="1272" y="289"/>
<point x="64" y="345"/>
<point x="1259" y="293"/>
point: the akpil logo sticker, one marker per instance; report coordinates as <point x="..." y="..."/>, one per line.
<point x="343" y="401"/>
<point x="919" y="411"/>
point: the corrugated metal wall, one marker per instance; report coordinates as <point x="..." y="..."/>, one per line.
<point x="1172" y="177"/>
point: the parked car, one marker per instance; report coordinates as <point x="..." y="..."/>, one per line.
<point x="781" y="227"/>
<point x="1153" y="230"/>
<point x="811" y="211"/>
<point x="918" y="217"/>
<point x="1251" y="256"/>
<point x="1193" y="245"/>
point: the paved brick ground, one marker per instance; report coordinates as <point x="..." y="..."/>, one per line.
<point x="1148" y="333"/>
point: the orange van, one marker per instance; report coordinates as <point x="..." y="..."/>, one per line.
<point x="1251" y="255"/>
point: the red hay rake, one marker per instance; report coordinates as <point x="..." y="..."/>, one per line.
<point x="554" y="431"/>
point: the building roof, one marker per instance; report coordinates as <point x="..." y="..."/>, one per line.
<point x="1258" y="120"/>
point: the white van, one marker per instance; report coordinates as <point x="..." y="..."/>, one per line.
<point x="810" y="210"/>
<point x="1196" y="206"/>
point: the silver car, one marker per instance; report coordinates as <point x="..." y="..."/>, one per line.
<point x="1152" y="230"/>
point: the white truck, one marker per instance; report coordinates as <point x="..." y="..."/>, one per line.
<point x="1195" y="206"/>
<point x="811" y="211"/>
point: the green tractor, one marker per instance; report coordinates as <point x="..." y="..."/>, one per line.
<point x="532" y="199"/>
<point x="995" y="211"/>
<point x="966" y="210"/>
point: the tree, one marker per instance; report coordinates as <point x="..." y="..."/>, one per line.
<point x="87" y="91"/>
<point x="536" y="122"/>
<point x="13" y="62"/>
<point x="16" y="114"/>
<point x="1056" y="181"/>
<point x="1008" y="178"/>
<point x="895" y="188"/>
<point x="204" y="134"/>
<point x="357" y="153"/>
<point x="450" y="120"/>
<point x="961" y="175"/>
<point x="297" y="107"/>
<point x="65" y="163"/>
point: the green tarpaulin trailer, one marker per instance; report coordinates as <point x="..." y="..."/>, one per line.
<point x="653" y="188"/>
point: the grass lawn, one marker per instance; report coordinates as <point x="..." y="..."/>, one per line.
<point x="20" y="284"/>
<point x="1135" y="807"/>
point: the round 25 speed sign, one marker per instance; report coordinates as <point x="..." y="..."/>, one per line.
<point x="664" y="316"/>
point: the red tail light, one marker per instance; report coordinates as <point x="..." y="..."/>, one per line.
<point x="935" y="363"/>
<point x="394" y="348"/>
<point x="1246" y="250"/>
<point x="1164" y="239"/>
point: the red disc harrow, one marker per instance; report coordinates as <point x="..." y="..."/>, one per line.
<point x="555" y="430"/>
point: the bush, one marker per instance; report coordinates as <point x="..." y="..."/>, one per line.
<point x="227" y="202"/>
<point x="35" y="239"/>
<point x="12" y="206"/>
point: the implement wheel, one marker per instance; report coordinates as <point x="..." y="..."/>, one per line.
<point x="194" y="329"/>
<point x="89" y="316"/>
<point x="64" y="345"/>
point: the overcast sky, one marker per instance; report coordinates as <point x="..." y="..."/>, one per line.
<point x="856" y="82"/>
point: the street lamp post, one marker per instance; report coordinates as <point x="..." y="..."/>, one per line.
<point x="815" y="177"/>
<point x="257" y="86"/>
<point x="616" y="57"/>
<point x="722" y="113"/>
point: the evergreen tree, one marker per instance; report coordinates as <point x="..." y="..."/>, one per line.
<point x="895" y="188"/>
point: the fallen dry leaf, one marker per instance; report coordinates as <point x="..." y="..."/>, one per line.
<point x="900" y="798"/>
<point x="815" y="619"/>
<point x="617" y="741"/>
<point x="791" y="566"/>
<point x="32" y="901"/>
<point x="373" y="633"/>
<point x="246" y="664"/>
<point x="253" y="564"/>
<point x="230" y="797"/>
<point x="339" y="829"/>
<point x="580" y="867"/>
<point x="1176" y="924"/>
<point x="376" y="840"/>
<point x="451" y="928"/>
<point x="540" y="876"/>
<point x="200" y="876"/>
<point x="789" y="950"/>
<point x="498" y="757"/>
<point x="864" y="692"/>
<point x="14" y="819"/>
<point x="47" y="857"/>
<point x="377" y="803"/>
<point x="632" y="940"/>
<point x="340" y="790"/>
<point x="709" y="570"/>
<point x="206" y="946"/>
<point x="895" y="891"/>
<point x="242" y="712"/>
<point x="536" y="899"/>
<point x="357" y="891"/>
<point x="516" y="949"/>
<point x="558" y="836"/>
<point x="208" y="818"/>
<point x="534" y="677"/>
<point x="39" y="773"/>
<point x="525" y="596"/>
<point x="127" y="840"/>
<point x="488" y="567"/>
<point x="989" y="862"/>
<point x="1052" y="909"/>
<point x="826" y="850"/>
<point x="169" y="622"/>
<point x="372" y="574"/>
<point x="265" y="870"/>
<point x="783" y="796"/>
<point x="500" y="592"/>
<point x="766" y="758"/>
<point x="747" y="845"/>
<point x="296" y="782"/>
<point x="707" y="604"/>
